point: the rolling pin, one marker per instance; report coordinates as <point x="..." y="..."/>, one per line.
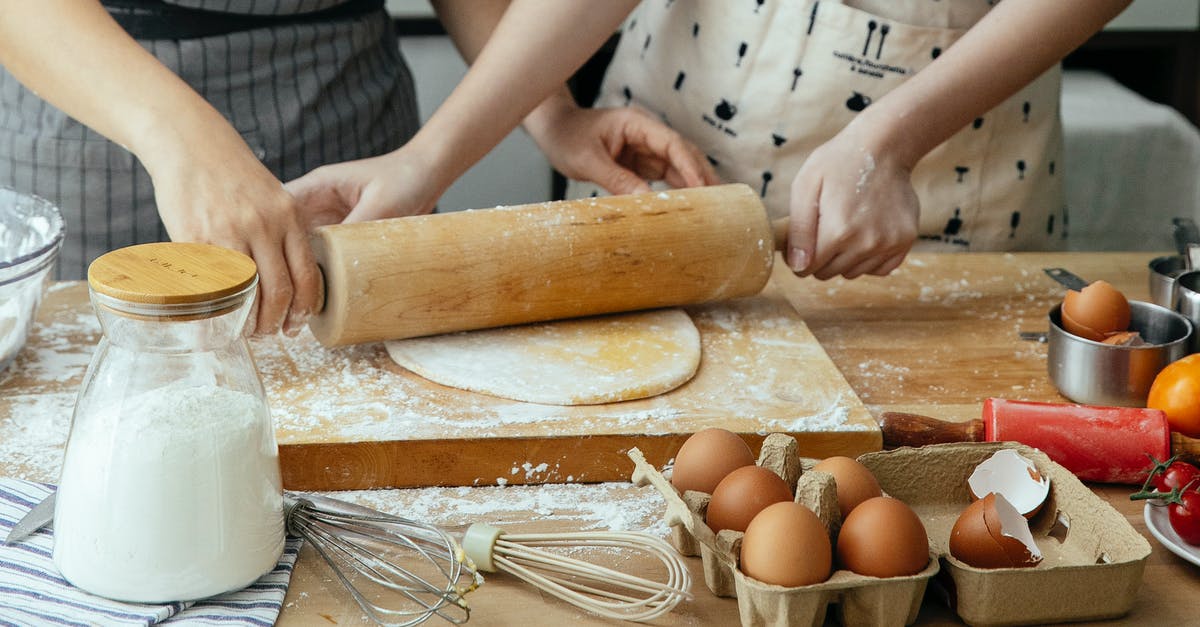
<point x="1103" y="444"/>
<point x="425" y="275"/>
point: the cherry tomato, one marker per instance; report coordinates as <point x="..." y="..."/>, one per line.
<point x="1176" y="475"/>
<point x="1176" y="391"/>
<point x="1185" y="516"/>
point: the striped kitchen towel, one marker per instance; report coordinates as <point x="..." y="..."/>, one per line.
<point x="33" y="593"/>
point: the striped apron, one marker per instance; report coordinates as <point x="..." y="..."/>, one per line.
<point x="759" y="85"/>
<point x="302" y="94"/>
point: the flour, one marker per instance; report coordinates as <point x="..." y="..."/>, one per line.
<point x="174" y="495"/>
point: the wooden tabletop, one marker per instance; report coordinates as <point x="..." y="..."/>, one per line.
<point x="937" y="336"/>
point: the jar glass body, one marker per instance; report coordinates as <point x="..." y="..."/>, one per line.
<point x="170" y="487"/>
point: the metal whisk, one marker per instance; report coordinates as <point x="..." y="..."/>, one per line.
<point x="598" y="589"/>
<point x="355" y="538"/>
<point x="417" y="570"/>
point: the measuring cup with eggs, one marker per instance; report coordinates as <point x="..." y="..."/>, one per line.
<point x="1104" y="349"/>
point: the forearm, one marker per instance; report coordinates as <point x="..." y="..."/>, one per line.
<point x="1012" y="45"/>
<point x="534" y="48"/>
<point x="469" y="24"/>
<point x="73" y="55"/>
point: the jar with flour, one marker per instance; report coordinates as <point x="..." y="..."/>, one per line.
<point x="170" y="487"/>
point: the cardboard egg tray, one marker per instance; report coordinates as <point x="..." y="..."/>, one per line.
<point x="1092" y="557"/>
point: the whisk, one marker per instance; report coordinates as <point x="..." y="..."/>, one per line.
<point x="369" y="542"/>
<point x="423" y="565"/>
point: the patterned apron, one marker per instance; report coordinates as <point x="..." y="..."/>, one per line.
<point x="758" y="85"/>
<point x="301" y="95"/>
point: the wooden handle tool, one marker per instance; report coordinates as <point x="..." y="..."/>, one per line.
<point x="1105" y="444"/>
<point x="424" y="275"/>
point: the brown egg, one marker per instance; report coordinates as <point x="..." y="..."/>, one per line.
<point x="991" y="533"/>
<point x="1095" y="312"/>
<point x="854" y="482"/>
<point x="883" y="537"/>
<point x="787" y="545"/>
<point x="706" y="457"/>
<point x="741" y="495"/>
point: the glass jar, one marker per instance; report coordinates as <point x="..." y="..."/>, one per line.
<point x="170" y="487"/>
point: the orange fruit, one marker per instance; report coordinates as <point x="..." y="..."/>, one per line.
<point x="1176" y="391"/>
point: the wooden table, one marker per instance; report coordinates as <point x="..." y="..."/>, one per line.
<point x="937" y="337"/>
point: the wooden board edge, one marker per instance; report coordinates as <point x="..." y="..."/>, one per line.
<point x="511" y="461"/>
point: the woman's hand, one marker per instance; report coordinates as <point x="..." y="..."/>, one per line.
<point x="219" y="193"/>
<point x="386" y="186"/>
<point x="853" y="210"/>
<point x="619" y="149"/>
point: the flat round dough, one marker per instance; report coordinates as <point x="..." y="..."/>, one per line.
<point x="585" y="361"/>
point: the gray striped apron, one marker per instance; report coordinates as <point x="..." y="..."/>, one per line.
<point x="301" y="95"/>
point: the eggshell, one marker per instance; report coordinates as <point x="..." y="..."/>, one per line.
<point x="1125" y="338"/>
<point x="883" y="537"/>
<point x="786" y="545"/>
<point x="1096" y="311"/>
<point x="991" y="533"/>
<point x="706" y="457"/>
<point x="1014" y="477"/>
<point x="854" y="482"/>
<point x="741" y="495"/>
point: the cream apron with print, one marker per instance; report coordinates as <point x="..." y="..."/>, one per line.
<point x="758" y="85"/>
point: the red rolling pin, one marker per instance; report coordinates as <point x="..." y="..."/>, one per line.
<point x="1103" y="444"/>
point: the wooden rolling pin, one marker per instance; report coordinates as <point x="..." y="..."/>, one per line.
<point x="424" y="275"/>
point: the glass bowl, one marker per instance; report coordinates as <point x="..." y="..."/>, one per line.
<point x="31" y="234"/>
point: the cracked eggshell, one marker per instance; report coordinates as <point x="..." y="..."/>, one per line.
<point x="1009" y="474"/>
<point x="991" y="533"/>
<point x="1096" y="311"/>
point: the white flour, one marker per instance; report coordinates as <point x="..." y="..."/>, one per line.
<point x="181" y="501"/>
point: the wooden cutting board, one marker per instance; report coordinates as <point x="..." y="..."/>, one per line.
<point x="349" y="418"/>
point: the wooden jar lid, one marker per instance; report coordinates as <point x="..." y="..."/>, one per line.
<point x="171" y="273"/>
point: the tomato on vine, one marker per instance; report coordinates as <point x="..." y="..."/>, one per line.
<point x="1176" y="485"/>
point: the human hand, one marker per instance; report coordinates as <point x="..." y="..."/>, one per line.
<point x="853" y="211"/>
<point x="386" y="186"/>
<point x="619" y="149"/>
<point x="223" y="195"/>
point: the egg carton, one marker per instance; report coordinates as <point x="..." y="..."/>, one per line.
<point x="1092" y="557"/>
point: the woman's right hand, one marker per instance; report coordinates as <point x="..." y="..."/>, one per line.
<point x="219" y="193"/>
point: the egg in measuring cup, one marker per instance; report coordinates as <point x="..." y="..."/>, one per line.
<point x="1096" y="312"/>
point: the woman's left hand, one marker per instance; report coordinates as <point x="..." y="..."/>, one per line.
<point x="619" y="149"/>
<point x="387" y="186"/>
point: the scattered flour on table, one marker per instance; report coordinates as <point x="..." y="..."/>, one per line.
<point x="33" y="437"/>
<point x="604" y="506"/>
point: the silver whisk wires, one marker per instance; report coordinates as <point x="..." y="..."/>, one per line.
<point x="400" y="572"/>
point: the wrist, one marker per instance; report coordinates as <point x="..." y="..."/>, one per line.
<point x="548" y="114"/>
<point x="887" y="136"/>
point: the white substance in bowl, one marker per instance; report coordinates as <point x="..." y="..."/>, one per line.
<point x="31" y="232"/>
<point x="177" y="497"/>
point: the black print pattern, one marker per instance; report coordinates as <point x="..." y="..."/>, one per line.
<point x="954" y="224"/>
<point x="858" y="102"/>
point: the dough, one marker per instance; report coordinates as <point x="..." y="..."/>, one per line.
<point x="585" y="361"/>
